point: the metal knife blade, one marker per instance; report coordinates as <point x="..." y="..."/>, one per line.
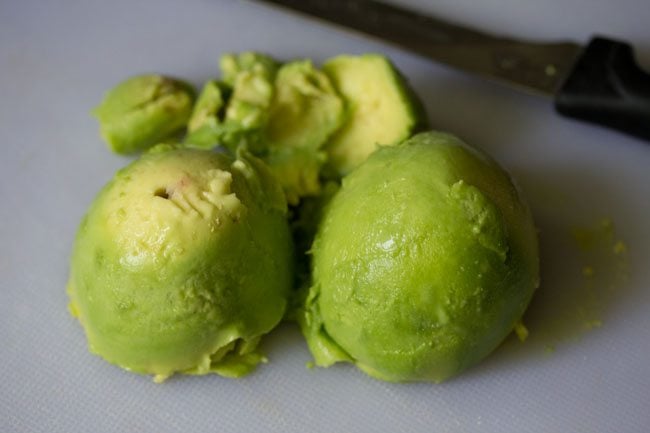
<point x="534" y="67"/>
<point x="599" y="82"/>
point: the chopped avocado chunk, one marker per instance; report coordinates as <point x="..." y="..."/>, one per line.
<point x="284" y="115"/>
<point x="251" y="76"/>
<point x="205" y="127"/>
<point x="208" y="105"/>
<point x="232" y="65"/>
<point x="142" y="111"/>
<point x="297" y="170"/>
<point x="382" y="108"/>
<point x="234" y="111"/>
<point x="250" y="100"/>
<point x="305" y="111"/>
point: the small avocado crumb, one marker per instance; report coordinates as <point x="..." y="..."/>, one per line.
<point x="620" y="247"/>
<point x="521" y="331"/>
<point x="588" y="271"/>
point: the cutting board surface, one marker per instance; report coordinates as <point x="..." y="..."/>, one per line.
<point x="586" y="364"/>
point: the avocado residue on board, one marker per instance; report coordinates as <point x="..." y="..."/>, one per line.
<point x="574" y="296"/>
<point x="605" y="268"/>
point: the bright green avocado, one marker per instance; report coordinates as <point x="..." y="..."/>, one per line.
<point x="382" y="109"/>
<point x="182" y="263"/>
<point x="423" y="262"/>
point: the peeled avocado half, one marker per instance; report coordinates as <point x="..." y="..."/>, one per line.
<point x="422" y="264"/>
<point x="182" y="263"/>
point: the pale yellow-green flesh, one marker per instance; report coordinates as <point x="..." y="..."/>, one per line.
<point x="423" y="263"/>
<point x="143" y="111"/>
<point x="380" y="110"/>
<point x="182" y="263"/>
<point x="207" y="106"/>
<point x="305" y="111"/>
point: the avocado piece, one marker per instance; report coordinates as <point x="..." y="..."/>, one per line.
<point x="382" y="109"/>
<point x="208" y="127"/>
<point x="233" y="65"/>
<point x="246" y="90"/>
<point x="283" y="115"/>
<point x="304" y="112"/>
<point x="233" y="112"/>
<point x="251" y="77"/>
<point x="210" y="101"/>
<point x="297" y="170"/>
<point x="424" y="261"/>
<point x="171" y="260"/>
<point x="142" y="111"/>
<point x="250" y="100"/>
<point x="204" y="129"/>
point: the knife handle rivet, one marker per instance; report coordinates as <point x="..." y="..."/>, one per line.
<point x="550" y="70"/>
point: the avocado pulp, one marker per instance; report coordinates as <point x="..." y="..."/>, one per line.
<point x="422" y="264"/>
<point x="182" y="263"/>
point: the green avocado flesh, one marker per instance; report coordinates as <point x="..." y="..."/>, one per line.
<point x="305" y="111"/>
<point x="182" y="263"/>
<point x="422" y="264"/>
<point x="382" y="110"/>
<point x="284" y="114"/>
<point x="204" y="127"/>
<point x="143" y="111"/>
<point x="411" y="258"/>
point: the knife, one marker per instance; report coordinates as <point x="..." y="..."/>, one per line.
<point x="599" y="83"/>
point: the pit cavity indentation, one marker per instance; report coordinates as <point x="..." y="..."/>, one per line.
<point x="162" y="193"/>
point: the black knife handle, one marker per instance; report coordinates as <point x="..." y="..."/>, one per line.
<point x="607" y="87"/>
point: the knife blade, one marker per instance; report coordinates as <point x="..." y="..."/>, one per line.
<point x="600" y="82"/>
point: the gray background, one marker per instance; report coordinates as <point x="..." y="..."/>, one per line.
<point x="58" y="57"/>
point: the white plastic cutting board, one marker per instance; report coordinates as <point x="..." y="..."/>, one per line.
<point x="586" y="364"/>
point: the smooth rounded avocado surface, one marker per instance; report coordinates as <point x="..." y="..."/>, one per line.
<point x="182" y="263"/>
<point x="423" y="262"/>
